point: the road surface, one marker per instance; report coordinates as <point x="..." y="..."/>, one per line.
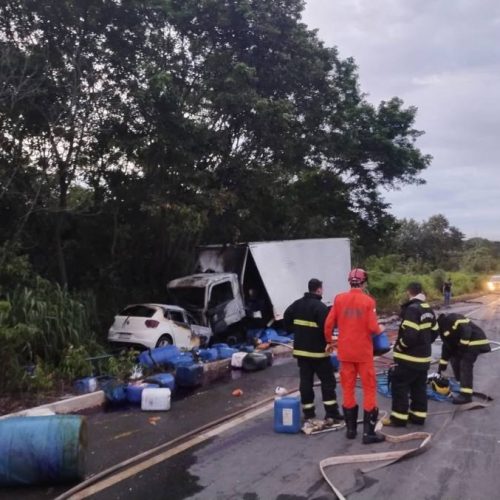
<point x="248" y="461"/>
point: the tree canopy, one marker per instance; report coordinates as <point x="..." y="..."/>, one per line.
<point x="133" y="131"/>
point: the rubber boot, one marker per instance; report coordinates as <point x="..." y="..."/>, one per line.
<point x="334" y="413"/>
<point x="369" y="422"/>
<point x="351" y="421"/>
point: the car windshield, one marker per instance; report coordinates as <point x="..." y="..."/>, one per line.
<point x="190" y="297"/>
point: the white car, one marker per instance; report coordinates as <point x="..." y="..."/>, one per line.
<point x="494" y="283"/>
<point x="157" y="325"/>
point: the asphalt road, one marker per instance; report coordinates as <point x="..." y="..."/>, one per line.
<point x="250" y="462"/>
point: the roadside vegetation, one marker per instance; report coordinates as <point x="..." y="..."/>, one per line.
<point x="131" y="132"/>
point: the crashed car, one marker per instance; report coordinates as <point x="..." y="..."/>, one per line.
<point x="157" y="325"/>
<point x="493" y="283"/>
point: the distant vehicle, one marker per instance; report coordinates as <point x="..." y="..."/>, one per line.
<point x="493" y="284"/>
<point x="157" y="325"/>
<point x="277" y="272"/>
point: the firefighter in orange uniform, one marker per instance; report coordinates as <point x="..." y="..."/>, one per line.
<point x="354" y="314"/>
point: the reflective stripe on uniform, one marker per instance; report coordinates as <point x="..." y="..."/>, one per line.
<point x="329" y="403"/>
<point x="400" y="416"/>
<point x="446" y="333"/>
<point x="425" y="305"/>
<point x="435" y="327"/>
<point x="303" y="322"/>
<point x="410" y="324"/>
<point x="416" y="326"/>
<point x="406" y="357"/>
<point x="308" y="354"/>
<point x="402" y="343"/>
<point x="479" y="342"/>
<point x="443" y="362"/>
<point x="464" y="342"/>
<point x="459" y="322"/>
<point x="466" y="390"/>
<point x="421" y="414"/>
<point x="308" y="406"/>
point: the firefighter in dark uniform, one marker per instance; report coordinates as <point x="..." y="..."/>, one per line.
<point x="463" y="342"/>
<point x="412" y="355"/>
<point x="306" y="318"/>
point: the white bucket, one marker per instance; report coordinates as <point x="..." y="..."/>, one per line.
<point x="155" y="399"/>
<point x="237" y="359"/>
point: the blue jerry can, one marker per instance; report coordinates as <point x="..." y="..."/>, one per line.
<point x="381" y="344"/>
<point x="287" y="415"/>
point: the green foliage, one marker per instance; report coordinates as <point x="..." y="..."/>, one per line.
<point x="75" y="363"/>
<point x="122" y="365"/>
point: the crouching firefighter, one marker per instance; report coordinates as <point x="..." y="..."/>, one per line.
<point x="354" y="314"/>
<point x="412" y="355"/>
<point x="306" y="319"/>
<point x="463" y="342"/>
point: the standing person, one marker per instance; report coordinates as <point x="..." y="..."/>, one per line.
<point x="354" y="313"/>
<point x="306" y="318"/>
<point x="412" y="355"/>
<point x="447" y="292"/>
<point x="463" y="342"/>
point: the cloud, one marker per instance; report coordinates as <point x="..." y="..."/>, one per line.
<point x="444" y="58"/>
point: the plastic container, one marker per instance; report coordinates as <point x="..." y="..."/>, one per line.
<point x="162" y="380"/>
<point x="115" y="392"/>
<point x="159" y="356"/>
<point x="37" y="450"/>
<point x="225" y="352"/>
<point x="207" y="355"/>
<point x="134" y="392"/>
<point x="381" y="344"/>
<point x="237" y="359"/>
<point x="189" y="376"/>
<point x="155" y="399"/>
<point x="183" y="359"/>
<point x="269" y="355"/>
<point x="287" y="415"/>
<point x="85" y="385"/>
<point x="334" y="362"/>
<point x="247" y="348"/>
<point x="254" y="361"/>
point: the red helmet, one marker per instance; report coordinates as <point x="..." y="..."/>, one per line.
<point x="357" y="276"/>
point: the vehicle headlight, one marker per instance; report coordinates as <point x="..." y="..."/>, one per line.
<point x="490" y="285"/>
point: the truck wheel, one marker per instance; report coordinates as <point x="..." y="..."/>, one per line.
<point x="164" y="340"/>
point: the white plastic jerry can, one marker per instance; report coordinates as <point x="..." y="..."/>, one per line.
<point x="237" y="359"/>
<point x="156" y="399"/>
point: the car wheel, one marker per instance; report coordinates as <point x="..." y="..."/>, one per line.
<point x="164" y="340"/>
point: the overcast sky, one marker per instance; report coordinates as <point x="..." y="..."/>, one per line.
<point x="442" y="56"/>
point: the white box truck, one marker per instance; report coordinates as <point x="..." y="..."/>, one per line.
<point x="231" y="280"/>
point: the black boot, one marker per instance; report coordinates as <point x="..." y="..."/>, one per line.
<point x="369" y="422"/>
<point x="334" y="413"/>
<point x="351" y="421"/>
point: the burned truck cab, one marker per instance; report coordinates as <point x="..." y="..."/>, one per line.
<point x="213" y="298"/>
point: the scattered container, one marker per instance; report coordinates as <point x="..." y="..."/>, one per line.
<point x="159" y="356"/>
<point x="37" y="450"/>
<point x="183" y="359"/>
<point x="115" y="392"/>
<point x="155" y="399"/>
<point x="134" y="392"/>
<point x="85" y="385"/>
<point x="269" y="355"/>
<point x="207" y="355"/>
<point x="225" y="352"/>
<point x="237" y="359"/>
<point x="162" y="380"/>
<point x="287" y="415"/>
<point x="247" y="348"/>
<point x="254" y="361"/>
<point x="189" y="376"/>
